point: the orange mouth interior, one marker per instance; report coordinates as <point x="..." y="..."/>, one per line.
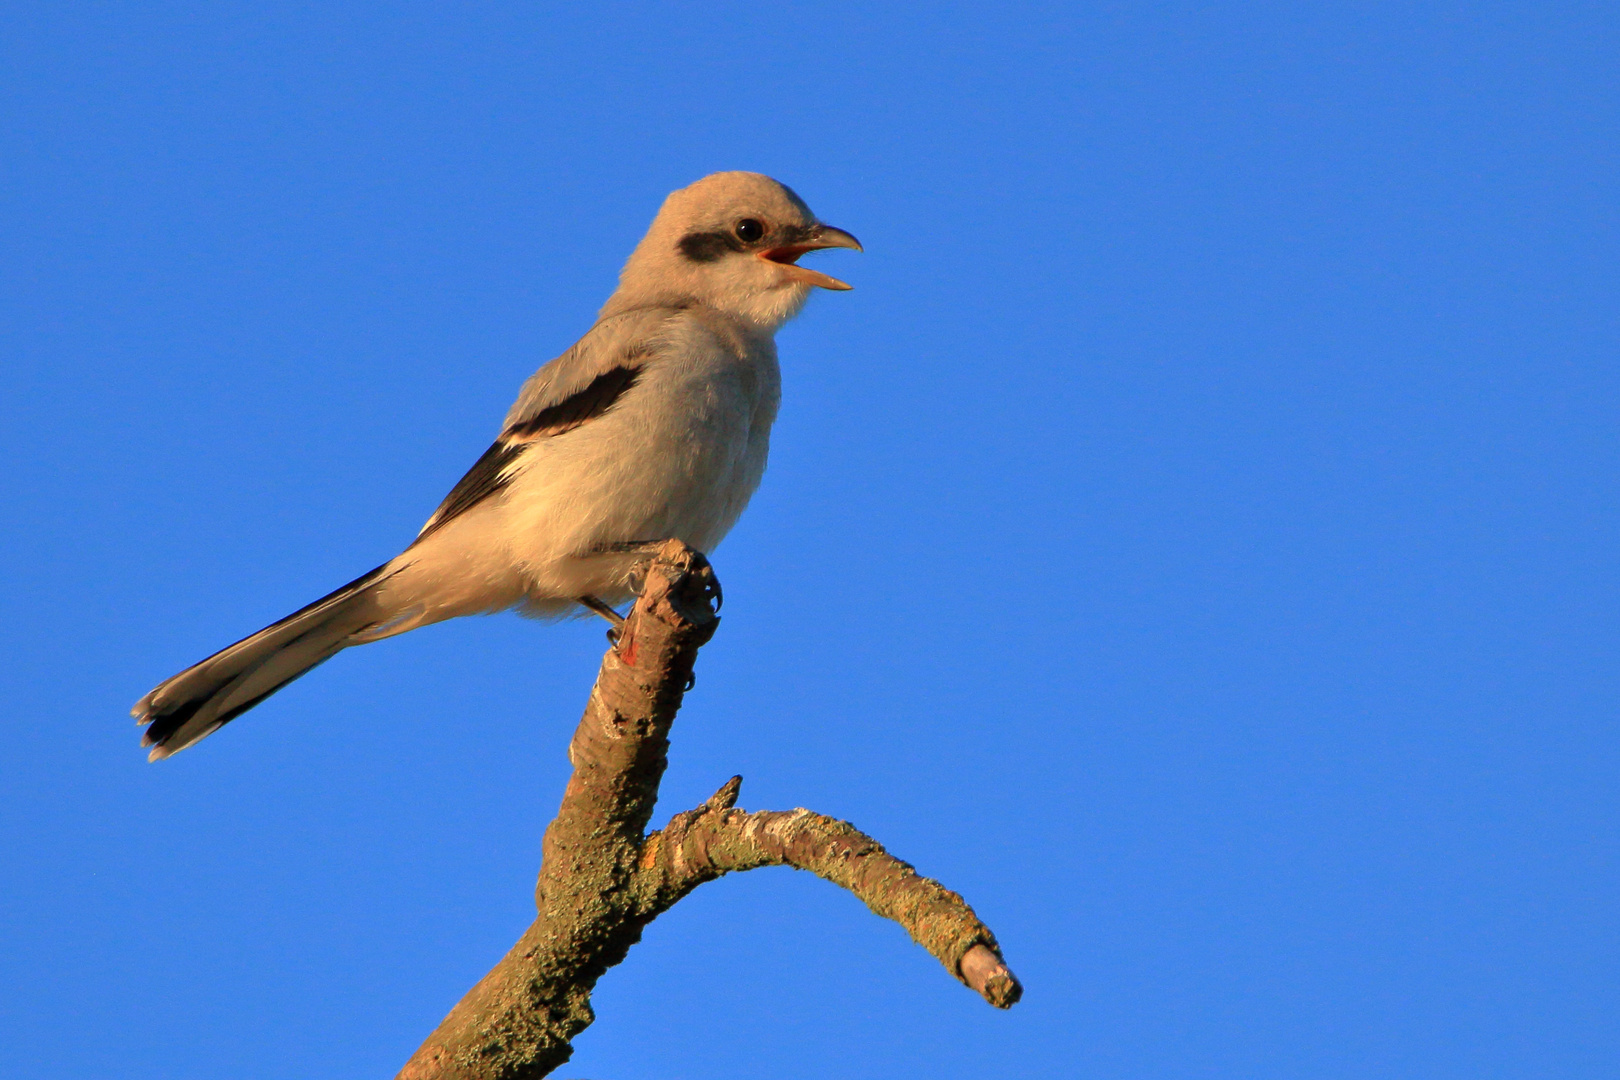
<point x="787" y="256"/>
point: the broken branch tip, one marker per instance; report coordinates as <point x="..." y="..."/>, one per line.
<point x="726" y="797"/>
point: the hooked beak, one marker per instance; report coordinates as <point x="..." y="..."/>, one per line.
<point x="823" y="236"/>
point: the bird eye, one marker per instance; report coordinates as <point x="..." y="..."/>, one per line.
<point x="749" y="230"/>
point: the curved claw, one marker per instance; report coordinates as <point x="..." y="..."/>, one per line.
<point x="712" y="593"/>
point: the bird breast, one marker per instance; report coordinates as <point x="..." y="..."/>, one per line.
<point x="678" y="455"/>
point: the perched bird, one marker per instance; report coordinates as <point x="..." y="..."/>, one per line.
<point x="654" y="426"/>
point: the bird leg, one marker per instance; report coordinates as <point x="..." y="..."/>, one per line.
<point x="605" y="610"/>
<point x="629" y="547"/>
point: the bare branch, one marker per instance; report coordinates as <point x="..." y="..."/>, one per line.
<point x="701" y="845"/>
<point x="602" y="880"/>
<point x="518" y="1020"/>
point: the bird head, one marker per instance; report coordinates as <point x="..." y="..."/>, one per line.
<point x="732" y="241"/>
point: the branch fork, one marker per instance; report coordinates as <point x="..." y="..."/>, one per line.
<point x="603" y="877"/>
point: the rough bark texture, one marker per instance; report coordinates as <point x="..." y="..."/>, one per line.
<point x="602" y="878"/>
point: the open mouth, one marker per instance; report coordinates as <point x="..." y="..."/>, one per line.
<point x="787" y="257"/>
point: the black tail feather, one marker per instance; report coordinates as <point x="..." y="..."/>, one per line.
<point x="190" y="705"/>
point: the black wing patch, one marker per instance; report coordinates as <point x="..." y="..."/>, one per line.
<point x="485" y="478"/>
<point x="598" y="397"/>
<point x="489" y="476"/>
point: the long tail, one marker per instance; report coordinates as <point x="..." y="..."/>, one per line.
<point x="206" y="696"/>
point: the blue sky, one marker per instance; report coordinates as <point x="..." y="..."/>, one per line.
<point x="1193" y="540"/>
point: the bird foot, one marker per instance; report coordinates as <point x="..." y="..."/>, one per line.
<point x="712" y="592"/>
<point x="711" y="585"/>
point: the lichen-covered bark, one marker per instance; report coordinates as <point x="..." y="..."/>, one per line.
<point x="602" y="879"/>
